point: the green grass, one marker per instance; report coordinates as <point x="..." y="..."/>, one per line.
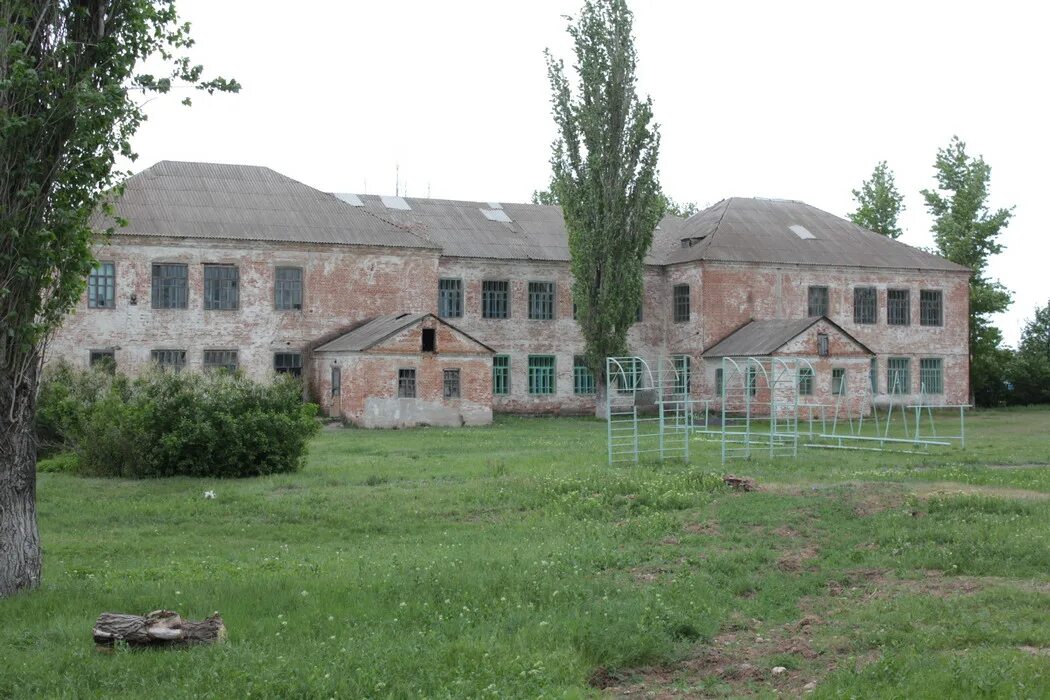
<point x="511" y="561"/>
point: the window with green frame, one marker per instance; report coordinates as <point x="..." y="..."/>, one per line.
<point x="752" y="381"/>
<point x="681" y="378"/>
<point x="541" y="374"/>
<point x="628" y="375"/>
<point x="805" y="381"/>
<point x="582" y="377"/>
<point x="501" y="375"/>
<point x="838" y="381"/>
<point x="931" y="375"/>
<point x="898" y="375"/>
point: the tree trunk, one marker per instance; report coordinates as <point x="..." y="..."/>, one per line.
<point x="19" y="537"/>
<point x="600" y="398"/>
<point x="161" y="628"/>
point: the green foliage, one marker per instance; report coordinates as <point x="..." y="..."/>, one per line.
<point x="967" y="232"/>
<point x="1031" y="363"/>
<point x="62" y="463"/>
<point x="604" y="176"/>
<point x="546" y="197"/>
<point x="167" y="423"/>
<point x="72" y="101"/>
<point x="681" y="209"/>
<point x="879" y="204"/>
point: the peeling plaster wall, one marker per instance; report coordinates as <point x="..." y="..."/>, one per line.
<point x="341" y="285"/>
<point x="519" y="336"/>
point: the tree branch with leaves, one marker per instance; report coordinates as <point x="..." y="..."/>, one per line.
<point x="68" y="90"/>
<point x="605" y="176"/>
<point x="879" y="204"/>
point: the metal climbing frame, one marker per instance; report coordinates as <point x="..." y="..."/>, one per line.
<point x="648" y="411"/>
<point x="759" y="404"/>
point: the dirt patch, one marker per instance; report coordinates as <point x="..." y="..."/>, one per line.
<point x="785" y="531"/>
<point x="797" y="560"/>
<point x="1035" y="651"/>
<point x="709" y="528"/>
<point x="670" y="540"/>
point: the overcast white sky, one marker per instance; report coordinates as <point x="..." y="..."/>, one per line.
<point x="797" y="100"/>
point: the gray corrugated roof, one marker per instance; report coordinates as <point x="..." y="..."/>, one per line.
<point x="535" y="232"/>
<point x="760" y="338"/>
<point x="758" y="230"/>
<point x="243" y="202"/>
<point x="372" y="332"/>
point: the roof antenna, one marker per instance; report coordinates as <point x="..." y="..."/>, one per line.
<point x="397" y="179"/>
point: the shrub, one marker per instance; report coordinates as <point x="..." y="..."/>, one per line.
<point x="62" y="463"/>
<point x="168" y="424"/>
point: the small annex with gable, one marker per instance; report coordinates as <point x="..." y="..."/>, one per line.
<point x="837" y="368"/>
<point x="405" y="370"/>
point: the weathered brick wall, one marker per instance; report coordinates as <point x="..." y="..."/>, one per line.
<point x="734" y="293"/>
<point x="341" y="285"/>
<point x="519" y="336"/>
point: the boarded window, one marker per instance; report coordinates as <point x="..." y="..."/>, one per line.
<point x="102" y="283"/>
<point x="805" y="381"/>
<point x="681" y="375"/>
<point x="220" y="287"/>
<point x="541" y="301"/>
<point x="337" y="381"/>
<point x="838" y="381"/>
<point x="406" y="384"/>
<point x="823" y="349"/>
<point x="495" y="299"/>
<point x="931" y="307"/>
<point x="865" y="305"/>
<point x="898" y="307"/>
<point x="288" y="363"/>
<point x="501" y="375"/>
<point x="541" y="374"/>
<point x="103" y="359"/>
<point x="288" y="288"/>
<point x="450" y="298"/>
<point x="174" y="360"/>
<point x="450" y="379"/>
<point x="582" y="377"/>
<point x="681" y="303"/>
<point x="225" y="360"/>
<point x="931" y="375"/>
<point x="818" y="301"/>
<point x="170" y="286"/>
<point x="898" y="375"/>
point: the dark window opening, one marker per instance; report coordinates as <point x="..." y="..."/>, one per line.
<point x="170" y="286"/>
<point x="288" y="288"/>
<point x="429" y="340"/>
<point x="220" y="287"/>
<point x="288" y="363"/>
<point x="681" y="303"/>
<point x="541" y="301"/>
<point x="224" y="360"/>
<point x="450" y="298"/>
<point x="865" y="308"/>
<point x="169" y="359"/>
<point x="103" y="359"/>
<point x="898" y="307"/>
<point x="495" y="299"/>
<point x="931" y="307"/>
<point x="822" y="345"/>
<point x="337" y="381"/>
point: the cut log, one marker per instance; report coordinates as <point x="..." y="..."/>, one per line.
<point x="160" y="628"/>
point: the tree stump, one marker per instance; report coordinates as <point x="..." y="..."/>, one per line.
<point x="160" y="628"/>
<point x="740" y="483"/>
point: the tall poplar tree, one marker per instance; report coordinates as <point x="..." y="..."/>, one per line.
<point x="605" y="177"/>
<point x="69" y="103"/>
<point x="879" y="204"/>
<point x="967" y="232"/>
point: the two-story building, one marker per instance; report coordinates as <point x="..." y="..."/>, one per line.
<point x="242" y="267"/>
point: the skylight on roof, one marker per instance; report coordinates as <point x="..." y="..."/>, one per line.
<point x="801" y="231"/>
<point x="395" y="203"/>
<point x="496" y="215"/>
<point x="350" y="198"/>
<point x="494" y="205"/>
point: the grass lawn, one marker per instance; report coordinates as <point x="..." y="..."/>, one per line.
<point x="511" y="561"/>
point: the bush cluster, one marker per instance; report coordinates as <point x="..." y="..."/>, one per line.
<point x="167" y="423"/>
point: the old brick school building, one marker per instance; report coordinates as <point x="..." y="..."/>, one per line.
<point x="400" y="311"/>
